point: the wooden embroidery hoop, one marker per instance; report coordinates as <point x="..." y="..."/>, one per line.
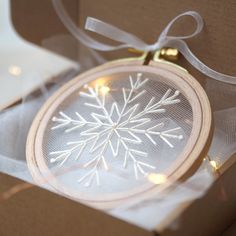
<point x="191" y="157"/>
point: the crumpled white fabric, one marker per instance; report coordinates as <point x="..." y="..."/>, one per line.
<point x="15" y="123"/>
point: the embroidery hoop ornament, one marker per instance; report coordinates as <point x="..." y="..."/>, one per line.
<point x="193" y="153"/>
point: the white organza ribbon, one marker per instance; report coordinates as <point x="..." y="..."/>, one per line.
<point x="129" y="40"/>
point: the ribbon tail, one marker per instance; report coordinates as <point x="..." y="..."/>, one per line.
<point x="199" y="65"/>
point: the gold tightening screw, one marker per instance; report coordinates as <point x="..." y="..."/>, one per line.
<point x="169" y="54"/>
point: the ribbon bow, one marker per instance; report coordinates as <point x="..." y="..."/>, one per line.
<point x="129" y="40"/>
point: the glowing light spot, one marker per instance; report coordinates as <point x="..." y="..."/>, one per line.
<point x="104" y="89"/>
<point x="99" y="82"/>
<point x="214" y="165"/>
<point x="14" y="70"/>
<point x="157" y="178"/>
<point x="100" y="85"/>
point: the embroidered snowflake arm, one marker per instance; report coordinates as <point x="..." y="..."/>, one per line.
<point x="62" y="156"/>
<point x="65" y="121"/>
<point x="98" y="162"/>
<point x="78" y="147"/>
<point x="155" y="107"/>
<point x="99" y="101"/>
<point x="153" y="131"/>
<point x="138" y="165"/>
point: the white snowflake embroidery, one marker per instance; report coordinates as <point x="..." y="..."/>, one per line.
<point x="126" y="127"/>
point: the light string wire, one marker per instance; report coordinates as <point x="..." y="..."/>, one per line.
<point x="129" y="40"/>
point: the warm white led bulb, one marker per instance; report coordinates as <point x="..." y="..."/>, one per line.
<point x="157" y="178"/>
<point x="104" y="89"/>
<point x="14" y="70"/>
